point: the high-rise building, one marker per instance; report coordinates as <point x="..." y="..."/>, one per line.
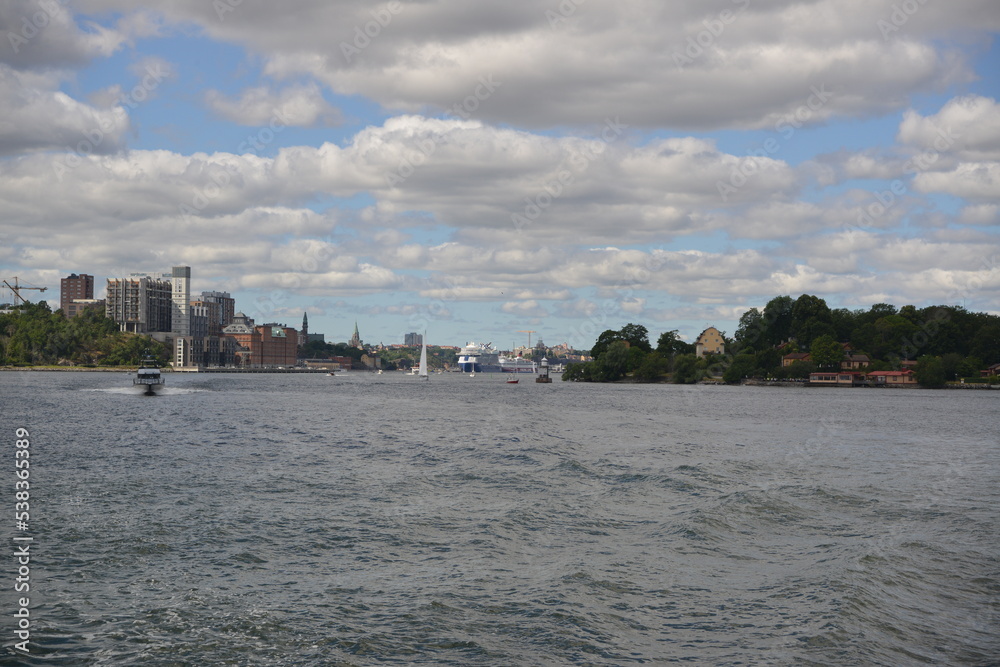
<point x="413" y="339"/>
<point x="226" y="305"/>
<point x="75" y="287"/>
<point x="140" y="303"/>
<point x="180" y="279"/>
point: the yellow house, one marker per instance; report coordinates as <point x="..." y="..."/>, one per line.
<point x="709" y="341"/>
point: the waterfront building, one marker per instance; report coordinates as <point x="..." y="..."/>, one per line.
<point x="224" y="306"/>
<point x="709" y="341"/>
<point x="180" y="283"/>
<point x="75" y="287"/>
<point x="140" y="304"/>
<point x="269" y="344"/>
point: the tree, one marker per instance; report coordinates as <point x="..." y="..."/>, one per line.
<point x="749" y="330"/>
<point x="743" y="365"/>
<point x="613" y="364"/>
<point x="686" y="369"/>
<point x="636" y="335"/>
<point x="891" y="335"/>
<point x="985" y="344"/>
<point x="607" y="337"/>
<point x="825" y="352"/>
<point x="635" y="358"/>
<point x="777" y="318"/>
<point x="929" y="371"/>
<point x="950" y="364"/>
<point x="880" y="310"/>
<point x="799" y="370"/>
<point x="669" y="343"/>
<point x="652" y="368"/>
<point x="578" y="372"/>
<point x="810" y="319"/>
<point x="844" y="322"/>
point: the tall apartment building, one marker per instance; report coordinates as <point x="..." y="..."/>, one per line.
<point x="180" y="280"/>
<point x="413" y="339"/>
<point x="75" y="287"/>
<point x="140" y="303"/>
<point x="223" y="307"/>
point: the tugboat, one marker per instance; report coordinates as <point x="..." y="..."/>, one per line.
<point x="148" y="376"/>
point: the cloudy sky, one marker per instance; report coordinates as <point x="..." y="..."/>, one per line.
<point x="477" y="168"/>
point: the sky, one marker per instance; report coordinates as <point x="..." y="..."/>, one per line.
<point x="479" y="169"/>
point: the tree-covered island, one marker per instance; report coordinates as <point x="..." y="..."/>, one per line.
<point x="791" y="338"/>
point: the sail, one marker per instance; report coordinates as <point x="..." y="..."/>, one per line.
<point x="423" y="357"/>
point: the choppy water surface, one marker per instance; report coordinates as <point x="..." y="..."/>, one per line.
<point x="361" y="520"/>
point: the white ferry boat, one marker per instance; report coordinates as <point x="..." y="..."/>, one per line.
<point x="148" y="377"/>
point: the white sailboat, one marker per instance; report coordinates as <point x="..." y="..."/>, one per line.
<point x="423" y="358"/>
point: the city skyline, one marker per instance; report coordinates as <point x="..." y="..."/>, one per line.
<point x="477" y="172"/>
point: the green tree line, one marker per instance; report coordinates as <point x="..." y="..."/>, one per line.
<point x="948" y="342"/>
<point x="31" y="334"/>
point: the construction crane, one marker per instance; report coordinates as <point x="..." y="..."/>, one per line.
<point x="16" y="289"/>
<point x="529" y="336"/>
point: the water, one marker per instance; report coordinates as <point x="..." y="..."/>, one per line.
<point x="362" y="520"/>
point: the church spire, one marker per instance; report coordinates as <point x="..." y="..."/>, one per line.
<point x="356" y="338"/>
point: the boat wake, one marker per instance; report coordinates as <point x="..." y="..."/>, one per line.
<point x="163" y="391"/>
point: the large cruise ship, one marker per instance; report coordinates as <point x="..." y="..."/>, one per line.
<point x="484" y="358"/>
<point x="479" y="358"/>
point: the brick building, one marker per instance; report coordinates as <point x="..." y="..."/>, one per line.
<point x="262" y="345"/>
<point x="75" y="287"/>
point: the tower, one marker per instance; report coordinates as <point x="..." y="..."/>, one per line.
<point x="356" y="338"/>
<point x="304" y="333"/>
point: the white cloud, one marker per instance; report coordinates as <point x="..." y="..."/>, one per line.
<point x="530" y="308"/>
<point x="969" y="180"/>
<point x="758" y="69"/>
<point x="967" y="126"/>
<point x="36" y="115"/>
<point x="302" y="106"/>
<point x="45" y="35"/>
<point x="981" y="214"/>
